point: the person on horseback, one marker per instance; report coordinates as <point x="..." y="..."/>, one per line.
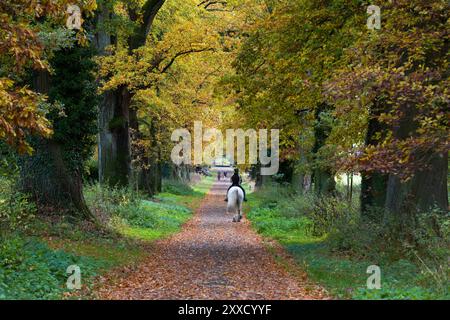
<point x="236" y="181"/>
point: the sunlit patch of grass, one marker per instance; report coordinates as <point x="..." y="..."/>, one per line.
<point x="143" y="233"/>
<point x="190" y="198"/>
<point x="165" y="216"/>
<point x="116" y="253"/>
<point x="153" y="220"/>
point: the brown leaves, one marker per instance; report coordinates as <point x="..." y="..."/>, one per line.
<point x="19" y="115"/>
<point x="21" y="49"/>
<point x="212" y="258"/>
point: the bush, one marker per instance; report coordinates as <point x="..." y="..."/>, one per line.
<point x="125" y="208"/>
<point x="336" y="244"/>
<point x="16" y="211"/>
<point x="432" y="233"/>
<point x="330" y="213"/>
<point x="105" y="200"/>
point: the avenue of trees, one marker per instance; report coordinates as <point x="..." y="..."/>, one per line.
<point x="346" y="99"/>
<point x="353" y="100"/>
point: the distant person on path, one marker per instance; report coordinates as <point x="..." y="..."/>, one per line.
<point x="236" y="181"/>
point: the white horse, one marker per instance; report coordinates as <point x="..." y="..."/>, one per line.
<point x="235" y="200"/>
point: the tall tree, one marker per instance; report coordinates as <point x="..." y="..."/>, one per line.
<point x="53" y="174"/>
<point x="114" y="120"/>
<point x="400" y="73"/>
<point x="290" y="52"/>
<point x="151" y="74"/>
<point x="21" y="49"/>
<point x="30" y="33"/>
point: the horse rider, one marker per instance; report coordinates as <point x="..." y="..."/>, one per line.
<point x="236" y="181"/>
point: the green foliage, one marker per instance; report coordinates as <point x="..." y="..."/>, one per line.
<point x="16" y="211"/>
<point x="282" y="64"/>
<point x="29" y="269"/>
<point x="116" y="123"/>
<point x="330" y="213"/>
<point x="105" y="200"/>
<point x="270" y="222"/>
<point x="335" y="245"/>
<point x="33" y="262"/>
<point x="177" y="187"/>
<point x="8" y="162"/>
<point x="133" y="216"/>
<point x="345" y="277"/>
<point x="74" y="86"/>
<point x="91" y="170"/>
<point x="154" y="215"/>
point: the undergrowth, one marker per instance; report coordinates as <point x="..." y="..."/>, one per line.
<point x="36" y="250"/>
<point x="330" y="240"/>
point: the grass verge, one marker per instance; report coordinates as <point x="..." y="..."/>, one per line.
<point x="34" y="258"/>
<point x="277" y="215"/>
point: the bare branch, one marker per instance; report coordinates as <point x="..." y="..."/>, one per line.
<point x="183" y="53"/>
<point x="211" y="5"/>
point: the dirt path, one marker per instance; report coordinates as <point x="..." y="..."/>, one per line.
<point x="212" y="258"/>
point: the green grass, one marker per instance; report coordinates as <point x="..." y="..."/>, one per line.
<point x="34" y="259"/>
<point x="30" y="269"/>
<point x="188" y="197"/>
<point x="153" y="221"/>
<point x="276" y="216"/>
<point x="346" y="278"/>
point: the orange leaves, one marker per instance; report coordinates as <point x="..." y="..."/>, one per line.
<point x="20" y="49"/>
<point x="19" y="115"/>
<point x="212" y="258"/>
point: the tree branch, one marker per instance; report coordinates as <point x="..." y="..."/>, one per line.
<point x="207" y="4"/>
<point x="183" y="53"/>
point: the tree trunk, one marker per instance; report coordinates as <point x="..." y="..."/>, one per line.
<point x="298" y="177"/>
<point x="46" y="175"/>
<point x="149" y="171"/>
<point x="427" y="187"/>
<point x="323" y="174"/>
<point x="114" y="120"/>
<point x="114" y="141"/>
<point x="307" y="183"/>
<point x="324" y="183"/>
<point x="373" y="191"/>
<point x="106" y="145"/>
<point x="287" y="168"/>
<point x="113" y="138"/>
<point x="53" y="186"/>
<point x="298" y="182"/>
<point x="155" y="177"/>
<point x="186" y="173"/>
<point x="373" y="184"/>
<point x="150" y="177"/>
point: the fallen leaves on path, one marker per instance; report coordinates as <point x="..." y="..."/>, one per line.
<point x="212" y="258"/>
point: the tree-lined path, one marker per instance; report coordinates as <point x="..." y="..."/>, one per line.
<point x="212" y="258"/>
